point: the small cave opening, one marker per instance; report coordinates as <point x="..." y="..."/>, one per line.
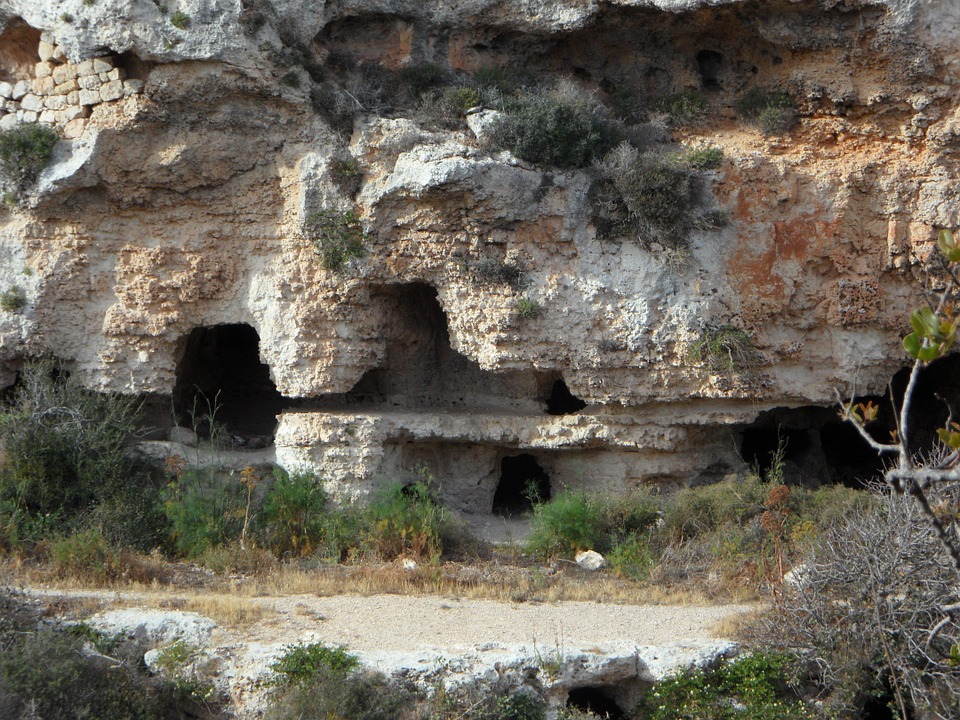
<point x="522" y="483"/>
<point x="709" y="65"/>
<point x="561" y="401"/>
<point x="18" y="51"/>
<point x="221" y="382"/>
<point x="595" y="700"/>
<point x="816" y="447"/>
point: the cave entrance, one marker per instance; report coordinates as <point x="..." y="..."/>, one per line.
<point x="18" y="51"/>
<point x="522" y="483"/>
<point x="816" y="447"/>
<point x="595" y="700"/>
<point x="561" y="401"/>
<point x="709" y="64"/>
<point x="221" y="382"/>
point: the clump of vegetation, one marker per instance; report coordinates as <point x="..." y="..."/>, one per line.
<point x="180" y="20"/>
<point x="24" y="152"/>
<point x="13" y="300"/>
<point x="647" y="196"/>
<point x="51" y="674"/>
<point x="291" y="79"/>
<point x="338" y="237"/>
<point x="864" y="615"/>
<point x="305" y="663"/>
<point x="204" y="508"/>
<point x="66" y="18"/>
<point x="703" y="159"/>
<point x="770" y="110"/>
<point x="527" y="308"/>
<point x="68" y="461"/>
<point x="755" y="687"/>
<point x="496" y="272"/>
<point x="725" y="349"/>
<point x="683" y="109"/>
<point x="296" y="519"/>
<point x="405" y="521"/>
<point x="347" y="174"/>
<point x="558" y="129"/>
<point x="253" y="15"/>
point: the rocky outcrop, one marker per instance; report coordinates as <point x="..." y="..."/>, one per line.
<point x="172" y="217"/>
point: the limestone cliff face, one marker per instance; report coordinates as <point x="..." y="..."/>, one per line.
<point x="192" y="156"/>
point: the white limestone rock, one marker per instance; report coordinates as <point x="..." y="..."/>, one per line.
<point x="590" y="560"/>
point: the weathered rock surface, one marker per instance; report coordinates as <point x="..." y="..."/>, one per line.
<point x="174" y="208"/>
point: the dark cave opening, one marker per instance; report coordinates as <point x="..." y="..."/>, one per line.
<point x="561" y="401"/>
<point x="220" y="380"/>
<point x="18" y="51"/>
<point x="817" y="447"/>
<point x="522" y="482"/>
<point x="596" y="701"/>
<point x="709" y="64"/>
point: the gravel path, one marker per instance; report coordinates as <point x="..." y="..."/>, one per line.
<point x="391" y="622"/>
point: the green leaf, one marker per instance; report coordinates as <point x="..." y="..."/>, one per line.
<point x="948" y="246"/>
<point x="914" y="346"/>
<point x="925" y="323"/>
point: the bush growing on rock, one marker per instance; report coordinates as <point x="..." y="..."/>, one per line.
<point x="770" y="110"/>
<point x="24" y="152"/>
<point x="338" y="237"/>
<point x="562" y="130"/>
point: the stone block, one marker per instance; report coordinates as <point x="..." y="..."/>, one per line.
<point x="48" y="117"/>
<point x="44" y="86"/>
<point x="73" y="98"/>
<point x="45" y="51"/>
<point x="47" y="37"/>
<point x="89" y="82"/>
<point x="32" y="102"/>
<point x="132" y="87"/>
<point x="74" y="128"/>
<point x="8" y="122"/>
<point x="104" y="77"/>
<point x="27" y="116"/>
<point x="73" y="112"/>
<point x="62" y="73"/>
<point x="112" y="91"/>
<point x="89" y="97"/>
<point x="43" y="69"/>
<point x="85" y="68"/>
<point x="20" y="89"/>
<point x="102" y="65"/>
<point x="6" y="90"/>
<point x="54" y="102"/>
<point x="117" y="74"/>
<point x="59" y="55"/>
<point x="66" y="88"/>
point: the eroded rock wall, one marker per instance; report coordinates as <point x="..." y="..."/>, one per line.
<point x="177" y="200"/>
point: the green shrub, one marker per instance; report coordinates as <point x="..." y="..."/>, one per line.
<point x="180" y="20"/>
<point x="632" y="558"/>
<point x="647" y="196"/>
<point x="347" y="174"/>
<point x="46" y="674"/>
<point x="755" y="687"/>
<point x="519" y="705"/>
<point x="85" y="553"/>
<point x="13" y="300"/>
<point x="205" y="509"/>
<point x="703" y="159"/>
<point x="24" y="151"/>
<point x="725" y="349"/>
<point x="570" y="522"/>
<point x="405" y="521"/>
<point x="67" y="451"/>
<point x="685" y="108"/>
<point x="338" y="237"/>
<point x="527" y="308"/>
<point x="771" y="110"/>
<point x="295" y="519"/>
<point x="291" y="79"/>
<point x="305" y="663"/>
<point x="696" y="511"/>
<point x="332" y="696"/>
<point x="66" y="17"/>
<point x="562" y="132"/>
<point x="418" y="79"/>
